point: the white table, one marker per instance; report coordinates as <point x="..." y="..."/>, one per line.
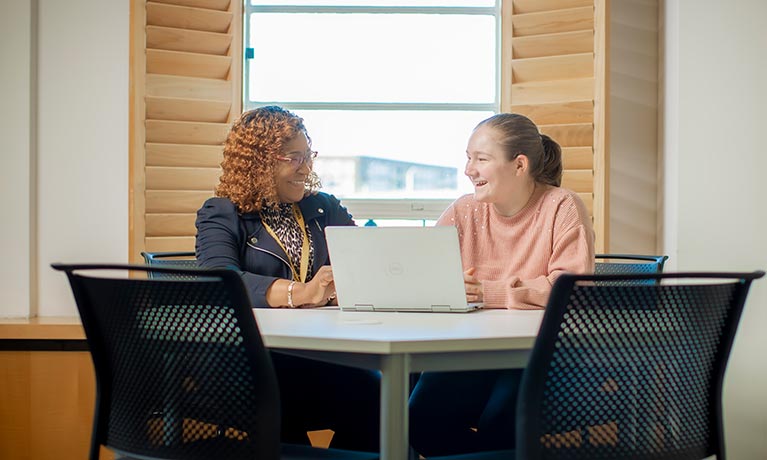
<point x="400" y="343"/>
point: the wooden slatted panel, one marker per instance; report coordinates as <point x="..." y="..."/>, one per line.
<point x="181" y="132"/>
<point x="552" y="22"/>
<point x="171" y="108"/>
<point x="170" y="201"/>
<point x="176" y="224"/>
<point x="188" y="87"/>
<point x="172" y="243"/>
<point x="195" y="155"/>
<point x="553" y="66"/>
<point x="546" y="92"/>
<point x="221" y="5"/>
<point x="563" y="112"/>
<point x="190" y="95"/>
<point x="578" y="158"/>
<point x="533" y="6"/>
<point x="187" y="64"/>
<point x="193" y="41"/>
<point x="170" y="178"/>
<point x="581" y="41"/>
<point x="578" y="180"/>
<point x="182" y="17"/>
<point x="571" y="135"/>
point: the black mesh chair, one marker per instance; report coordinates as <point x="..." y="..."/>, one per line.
<point x="618" y="264"/>
<point x="629" y="371"/>
<point x="181" y="370"/>
<point x="179" y="259"/>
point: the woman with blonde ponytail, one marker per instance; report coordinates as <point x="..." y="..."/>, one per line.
<point x="518" y="232"/>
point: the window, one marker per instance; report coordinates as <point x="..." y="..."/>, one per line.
<point x="389" y="90"/>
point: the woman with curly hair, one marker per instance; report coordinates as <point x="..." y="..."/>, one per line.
<point x="267" y="221"/>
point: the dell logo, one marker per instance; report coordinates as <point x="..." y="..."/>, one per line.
<point x="395" y="268"/>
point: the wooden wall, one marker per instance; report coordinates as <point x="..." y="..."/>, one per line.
<point x="186" y="68"/>
<point x="554" y="71"/>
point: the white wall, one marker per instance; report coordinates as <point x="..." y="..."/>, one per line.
<point x="716" y="95"/>
<point x="78" y="174"/>
<point x="633" y="126"/>
<point x="16" y="156"/>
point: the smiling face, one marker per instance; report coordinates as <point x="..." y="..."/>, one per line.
<point x="497" y="180"/>
<point x="289" y="178"/>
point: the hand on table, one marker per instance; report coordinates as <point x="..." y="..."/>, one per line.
<point x="319" y="290"/>
<point x="474" y="291"/>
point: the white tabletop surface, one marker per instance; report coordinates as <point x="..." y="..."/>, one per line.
<point x="386" y="332"/>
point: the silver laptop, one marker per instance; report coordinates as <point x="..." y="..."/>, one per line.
<point x="414" y="269"/>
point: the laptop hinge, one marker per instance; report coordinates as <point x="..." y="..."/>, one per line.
<point x="363" y="306"/>
<point x="440" y="307"/>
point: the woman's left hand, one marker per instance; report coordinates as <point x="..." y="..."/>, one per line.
<point x="474" y="291"/>
<point x="320" y="290"/>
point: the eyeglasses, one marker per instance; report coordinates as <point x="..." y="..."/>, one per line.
<point x="297" y="161"/>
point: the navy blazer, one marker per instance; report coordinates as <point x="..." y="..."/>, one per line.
<point x="228" y="239"/>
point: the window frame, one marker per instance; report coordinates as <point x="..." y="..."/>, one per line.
<point x="383" y="208"/>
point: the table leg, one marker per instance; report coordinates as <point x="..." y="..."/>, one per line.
<point x="395" y="380"/>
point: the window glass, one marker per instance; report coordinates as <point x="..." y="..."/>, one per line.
<point x="428" y="58"/>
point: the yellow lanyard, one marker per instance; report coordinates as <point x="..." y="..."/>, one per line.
<point x="304" y="269"/>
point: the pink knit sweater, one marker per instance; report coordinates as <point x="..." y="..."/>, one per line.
<point x="518" y="258"/>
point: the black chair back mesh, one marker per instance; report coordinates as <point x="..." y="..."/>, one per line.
<point x="620" y="264"/>
<point x="628" y="371"/>
<point x="181" y="371"/>
<point x="170" y="259"/>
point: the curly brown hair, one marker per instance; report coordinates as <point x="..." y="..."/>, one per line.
<point x="250" y="152"/>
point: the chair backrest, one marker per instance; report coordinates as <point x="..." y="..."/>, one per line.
<point x="627" y="371"/>
<point x="181" y="370"/>
<point x="609" y="264"/>
<point x="181" y="259"/>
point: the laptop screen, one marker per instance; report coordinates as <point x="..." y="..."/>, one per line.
<point x="397" y="268"/>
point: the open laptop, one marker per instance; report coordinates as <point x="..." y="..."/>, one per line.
<point x="414" y="269"/>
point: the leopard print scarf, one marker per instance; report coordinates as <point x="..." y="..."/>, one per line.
<point x="281" y="219"/>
